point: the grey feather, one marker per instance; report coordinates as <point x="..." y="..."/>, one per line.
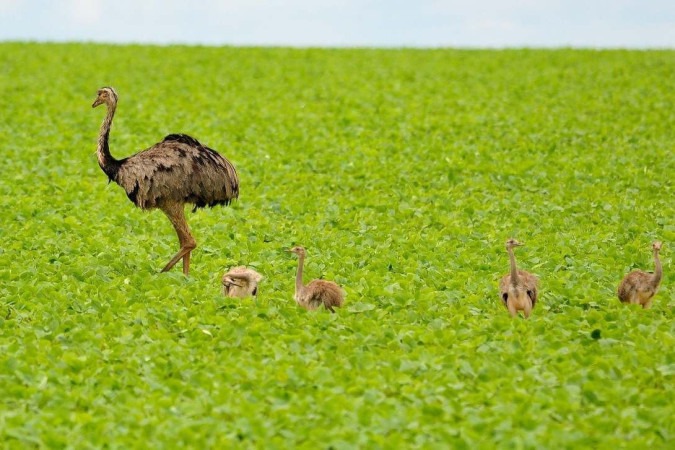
<point x="174" y="171"/>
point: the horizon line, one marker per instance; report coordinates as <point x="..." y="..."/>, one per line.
<point x="340" y="46"/>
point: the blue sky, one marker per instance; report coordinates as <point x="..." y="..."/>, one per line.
<point x="420" y="23"/>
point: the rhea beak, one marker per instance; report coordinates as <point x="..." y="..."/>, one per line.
<point x="97" y="102"/>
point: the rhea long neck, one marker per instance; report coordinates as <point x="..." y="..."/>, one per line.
<point x="658" y="271"/>
<point x="298" y="277"/>
<point x="514" y="270"/>
<point x="109" y="164"/>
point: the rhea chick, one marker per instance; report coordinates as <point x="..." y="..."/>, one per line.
<point x="518" y="288"/>
<point x="317" y="292"/>
<point x="639" y="287"/>
<point x="241" y="282"/>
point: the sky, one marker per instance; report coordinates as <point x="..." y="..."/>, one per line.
<point x="340" y="23"/>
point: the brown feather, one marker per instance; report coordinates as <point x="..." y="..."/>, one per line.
<point x="636" y="287"/>
<point x="322" y="292"/>
<point x="528" y="282"/>
<point x="174" y="171"/>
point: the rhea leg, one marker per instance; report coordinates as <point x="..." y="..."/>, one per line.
<point x="176" y="215"/>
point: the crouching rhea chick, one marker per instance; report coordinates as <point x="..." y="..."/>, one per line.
<point x="639" y="287"/>
<point x="317" y="292"/>
<point x="518" y="288"/>
<point x="241" y="282"/>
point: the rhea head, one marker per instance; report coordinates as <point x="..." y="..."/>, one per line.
<point x="229" y="281"/>
<point x="105" y="95"/>
<point x="656" y="246"/>
<point x="300" y="251"/>
<point x="513" y="243"/>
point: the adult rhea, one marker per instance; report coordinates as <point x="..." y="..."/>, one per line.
<point x="166" y="176"/>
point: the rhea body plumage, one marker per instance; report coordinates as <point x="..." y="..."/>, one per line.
<point x="168" y="175"/>
<point x="241" y="282"/>
<point x="639" y="287"/>
<point x="316" y="292"/>
<point x="518" y="287"/>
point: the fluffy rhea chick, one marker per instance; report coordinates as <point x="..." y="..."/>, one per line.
<point x="317" y="292"/>
<point x="241" y="282"/>
<point x="639" y="287"/>
<point x="518" y="287"/>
